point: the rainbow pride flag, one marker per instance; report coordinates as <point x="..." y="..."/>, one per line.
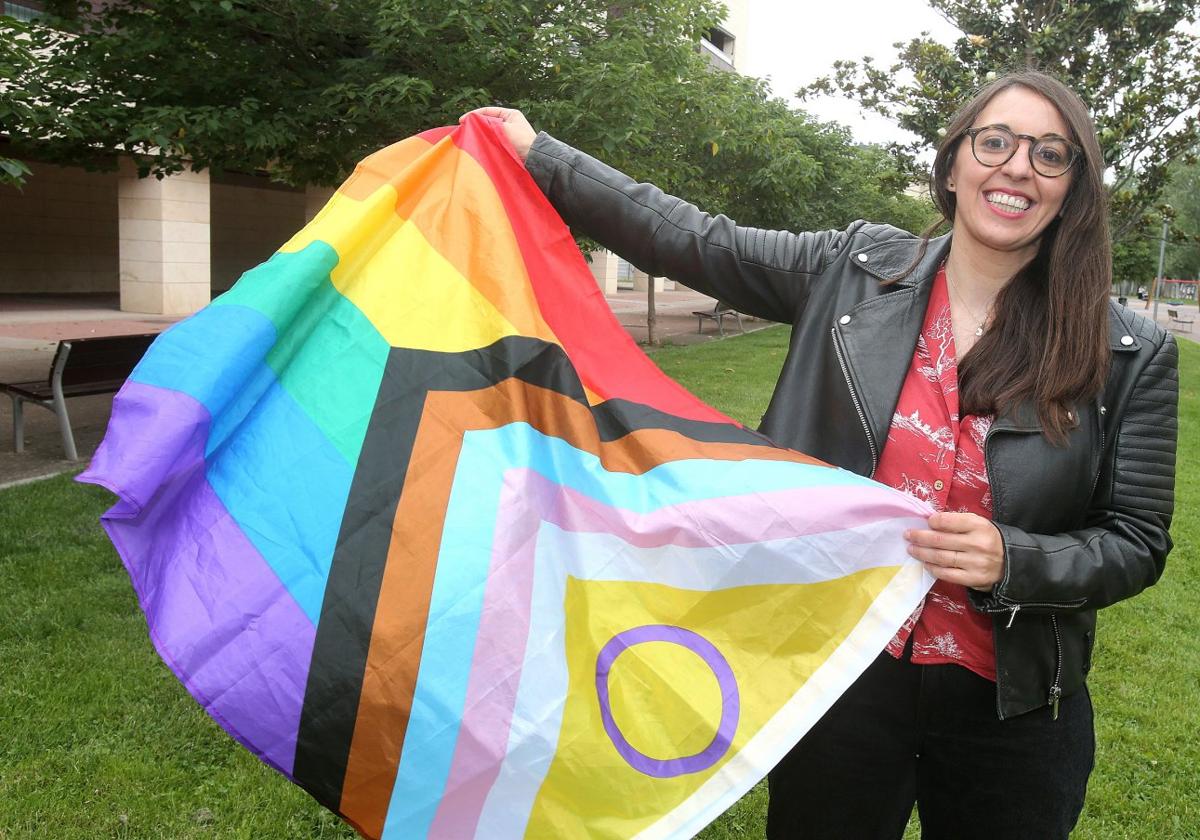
<point x="417" y="523"/>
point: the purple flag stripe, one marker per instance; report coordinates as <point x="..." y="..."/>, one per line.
<point x="197" y="577"/>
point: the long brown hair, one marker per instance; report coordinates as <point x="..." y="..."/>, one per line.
<point x="1048" y="340"/>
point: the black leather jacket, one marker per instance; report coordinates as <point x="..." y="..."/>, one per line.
<point x="1084" y="525"/>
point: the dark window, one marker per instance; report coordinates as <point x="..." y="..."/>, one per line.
<point x="721" y="39"/>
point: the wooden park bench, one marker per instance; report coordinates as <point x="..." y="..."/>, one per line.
<point x="1182" y="323"/>
<point x="718" y="313"/>
<point x="81" y="367"/>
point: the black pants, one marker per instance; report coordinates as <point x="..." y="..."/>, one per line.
<point x="928" y="734"/>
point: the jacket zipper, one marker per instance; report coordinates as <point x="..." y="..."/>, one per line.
<point x="1056" y="688"/>
<point x="862" y="417"/>
<point x="1100" y="415"/>
<point x="1013" y="608"/>
<point x="1008" y="606"/>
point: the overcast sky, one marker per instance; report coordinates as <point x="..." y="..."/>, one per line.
<point x="793" y="42"/>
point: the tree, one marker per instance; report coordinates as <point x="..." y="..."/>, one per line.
<point x="1135" y="261"/>
<point x="305" y="88"/>
<point x="17" y="105"/>
<point x="746" y="153"/>
<point x="1183" y="197"/>
<point x="1133" y="63"/>
<point x="757" y="160"/>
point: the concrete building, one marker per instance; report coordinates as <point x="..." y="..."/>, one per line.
<point x="725" y="45"/>
<point x="164" y="246"/>
<point x="167" y="246"/>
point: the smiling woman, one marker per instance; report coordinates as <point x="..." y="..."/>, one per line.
<point x="1031" y="249"/>
<point x="987" y="373"/>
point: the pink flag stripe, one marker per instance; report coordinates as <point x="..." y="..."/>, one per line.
<point x="528" y="499"/>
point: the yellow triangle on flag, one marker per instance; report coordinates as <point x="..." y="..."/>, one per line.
<point x="665" y="697"/>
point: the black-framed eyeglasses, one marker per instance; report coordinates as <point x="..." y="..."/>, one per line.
<point x="1049" y="155"/>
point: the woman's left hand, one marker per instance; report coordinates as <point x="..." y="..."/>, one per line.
<point x="960" y="548"/>
<point x="516" y="128"/>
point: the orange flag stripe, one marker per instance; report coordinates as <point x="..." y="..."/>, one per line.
<point x="394" y="657"/>
<point x="455" y="200"/>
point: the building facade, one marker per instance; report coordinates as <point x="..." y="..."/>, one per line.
<point x="168" y="246"/>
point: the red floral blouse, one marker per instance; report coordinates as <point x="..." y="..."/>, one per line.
<point x="934" y="455"/>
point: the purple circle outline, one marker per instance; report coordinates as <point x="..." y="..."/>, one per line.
<point x="730" y="701"/>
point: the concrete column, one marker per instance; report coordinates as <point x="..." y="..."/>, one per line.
<point x="165" y="260"/>
<point x="314" y="199"/>
<point x="604" y="268"/>
<point x="641" y="281"/>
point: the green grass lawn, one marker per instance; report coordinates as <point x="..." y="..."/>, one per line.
<point x="98" y="739"/>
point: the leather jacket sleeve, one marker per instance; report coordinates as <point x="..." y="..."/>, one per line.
<point x="1124" y="548"/>
<point x="764" y="273"/>
<point x="1124" y="542"/>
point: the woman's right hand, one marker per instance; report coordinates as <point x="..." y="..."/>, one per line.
<point x="516" y="128"/>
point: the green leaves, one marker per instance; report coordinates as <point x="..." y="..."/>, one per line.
<point x="1136" y="64"/>
<point x="303" y="89"/>
<point x="1182" y="198"/>
<point x="12" y="172"/>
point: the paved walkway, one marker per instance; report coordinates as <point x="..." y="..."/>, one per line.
<point x="32" y="325"/>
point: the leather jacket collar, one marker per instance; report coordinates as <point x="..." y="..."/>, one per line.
<point x="882" y="332"/>
<point x="891" y="260"/>
<point x="898" y="315"/>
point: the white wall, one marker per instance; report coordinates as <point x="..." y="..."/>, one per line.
<point x="737" y="23"/>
